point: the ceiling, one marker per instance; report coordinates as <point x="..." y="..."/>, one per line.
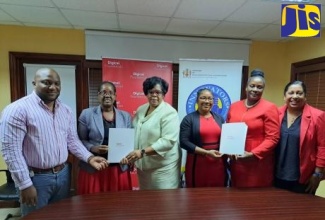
<point x="235" y="19"/>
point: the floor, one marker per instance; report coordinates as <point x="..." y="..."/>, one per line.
<point x="14" y="211"/>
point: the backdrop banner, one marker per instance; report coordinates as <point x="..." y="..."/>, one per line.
<point x="223" y="77"/>
<point x="128" y="76"/>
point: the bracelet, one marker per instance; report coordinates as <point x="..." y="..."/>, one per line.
<point x="143" y="153"/>
<point x="319" y="175"/>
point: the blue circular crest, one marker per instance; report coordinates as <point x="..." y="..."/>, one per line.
<point x="221" y="100"/>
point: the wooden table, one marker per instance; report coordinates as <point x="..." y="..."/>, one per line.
<point x="197" y="203"/>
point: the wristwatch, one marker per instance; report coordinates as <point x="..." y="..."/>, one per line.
<point x="143" y="152"/>
<point x="319" y="175"/>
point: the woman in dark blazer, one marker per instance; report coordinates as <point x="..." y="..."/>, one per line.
<point x="93" y="131"/>
<point x="300" y="154"/>
<point x="200" y="135"/>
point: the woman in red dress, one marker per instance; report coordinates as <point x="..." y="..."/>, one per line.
<point x="256" y="167"/>
<point x="93" y="130"/>
<point x="200" y="135"/>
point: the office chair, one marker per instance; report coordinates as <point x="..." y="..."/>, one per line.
<point x="8" y="194"/>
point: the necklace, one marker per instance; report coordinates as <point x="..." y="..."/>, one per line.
<point x="251" y="106"/>
<point x="292" y="118"/>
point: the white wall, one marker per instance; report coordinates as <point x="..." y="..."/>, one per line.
<point x="101" y="44"/>
<point x="68" y="82"/>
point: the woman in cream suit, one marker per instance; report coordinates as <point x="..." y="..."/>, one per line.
<point x="157" y="153"/>
<point x="93" y="131"/>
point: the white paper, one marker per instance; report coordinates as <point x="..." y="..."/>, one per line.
<point x="233" y="138"/>
<point x="120" y="142"/>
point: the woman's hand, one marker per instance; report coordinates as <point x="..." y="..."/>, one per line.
<point x="312" y="184"/>
<point x="124" y="161"/>
<point x="213" y="154"/>
<point x="246" y="155"/>
<point x="100" y="149"/>
<point x="133" y="156"/>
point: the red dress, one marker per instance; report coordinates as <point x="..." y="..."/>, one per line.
<point x="109" y="179"/>
<point x="203" y="171"/>
<point x="262" y="136"/>
<point x="91" y="122"/>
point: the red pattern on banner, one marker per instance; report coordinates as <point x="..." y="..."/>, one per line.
<point x="128" y="76"/>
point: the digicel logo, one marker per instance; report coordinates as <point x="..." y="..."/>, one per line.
<point x="138" y="93"/>
<point x="137" y="74"/>
<point x="162" y="66"/>
<point x="117" y="84"/>
<point x="113" y="63"/>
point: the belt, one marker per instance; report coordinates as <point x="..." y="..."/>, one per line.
<point x="55" y="169"/>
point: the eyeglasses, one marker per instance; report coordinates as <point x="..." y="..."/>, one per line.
<point x="104" y="93"/>
<point x="157" y="92"/>
<point x="203" y="98"/>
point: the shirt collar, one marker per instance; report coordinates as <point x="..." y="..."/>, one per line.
<point x="41" y="102"/>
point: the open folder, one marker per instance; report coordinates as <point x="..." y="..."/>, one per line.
<point x="120" y="142"/>
<point x="233" y="138"/>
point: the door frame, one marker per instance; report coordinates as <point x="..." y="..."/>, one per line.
<point x="18" y="87"/>
<point x="17" y="73"/>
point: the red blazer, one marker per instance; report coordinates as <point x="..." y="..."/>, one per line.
<point x="262" y="137"/>
<point x="312" y="140"/>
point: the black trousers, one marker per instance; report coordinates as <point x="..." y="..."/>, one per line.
<point x="293" y="186"/>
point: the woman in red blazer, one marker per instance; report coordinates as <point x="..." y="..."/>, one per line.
<point x="300" y="154"/>
<point x="256" y="167"/>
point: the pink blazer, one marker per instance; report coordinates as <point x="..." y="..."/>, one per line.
<point x="312" y="140"/>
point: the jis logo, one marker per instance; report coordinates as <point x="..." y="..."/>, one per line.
<point x="300" y="20"/>
<point x="221" y="100"/>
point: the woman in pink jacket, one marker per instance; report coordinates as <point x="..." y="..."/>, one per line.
<point x="300" y="154"/>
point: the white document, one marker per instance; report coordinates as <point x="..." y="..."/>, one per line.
<point x="121" y="142"/>
<point x="233" y="138"/>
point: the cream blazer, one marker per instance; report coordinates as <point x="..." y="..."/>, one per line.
<point x="160" y="130"/>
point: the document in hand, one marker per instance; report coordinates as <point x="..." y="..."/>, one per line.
<point x="120" y="142"/>
<point x="233" y="137"/>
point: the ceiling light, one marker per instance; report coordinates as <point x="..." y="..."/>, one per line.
<point x="298" y="1"/>
<point x="292" y="1"/>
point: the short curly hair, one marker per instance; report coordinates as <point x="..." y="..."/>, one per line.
<point x="151" y="82"/>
